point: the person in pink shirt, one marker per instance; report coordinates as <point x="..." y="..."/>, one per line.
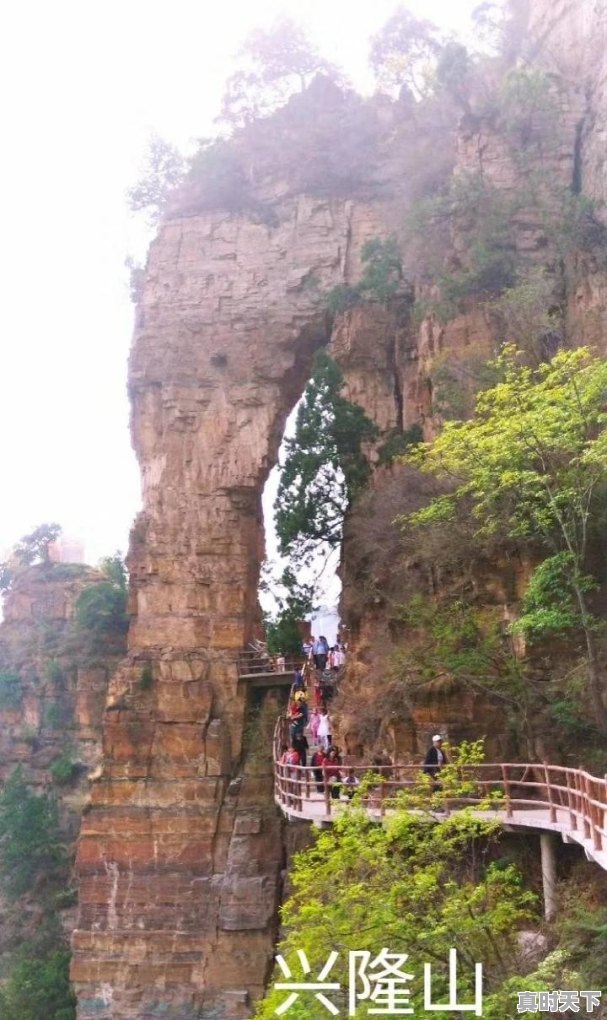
<point x="314" y="724"/>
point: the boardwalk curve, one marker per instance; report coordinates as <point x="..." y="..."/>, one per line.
<point x="527" y="796"/>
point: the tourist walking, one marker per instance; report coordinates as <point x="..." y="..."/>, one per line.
<point x="325" y="730"/>
<point x="320" y="651"/>
<point x="332" y="773"/>
<point x="435" y="759"/>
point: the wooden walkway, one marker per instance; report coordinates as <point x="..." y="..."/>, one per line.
<point x="257" y="670"/>
<point x="524" y="796"/>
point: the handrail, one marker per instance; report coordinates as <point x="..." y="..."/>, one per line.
<point x="251" y="663"/>
<point x="574" y="801"/>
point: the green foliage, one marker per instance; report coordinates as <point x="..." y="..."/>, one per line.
<point x="531" y="463"/>
<point x="32" y="548"/>
<point x="529" y="111"/>
<point x="483" y="215"/>
<point x="217" y="177"/>
<point x="383" y="268"/>
<point x="294" y="602"/>
<point x="53" y="672"/>
<point x="453" y="70"/>
<point x="114" y="568"/>
<point x="101" y="609"/>
<point x="163" y="172"/>
<point x="380" y="280"/>
<point x="398" y="442"/>
<point x="456" y="380"/>
<point x="11" y="690"/>
<point x="456" y="642"/>
<point x="275" y="64"/>
<point x="282" y="633"/>
<point x="341" y="297"/>
<point x="549" y="606"/>
<point x="39" y="988"/>
<point x="54" y="715"/>
<point x="64" y="769"/>
<point x="146" y="680"/>
<point x="324" y="468"/>
<point x="410" y="885"/>
<point x="31" y="850"/>
<point x="529" y="316"/>
<point x="404" y="54"/>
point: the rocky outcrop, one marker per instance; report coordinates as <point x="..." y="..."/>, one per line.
<point x="180" y="856"/>
<point x="54" y="681"/>
<point x="179" y="838"/>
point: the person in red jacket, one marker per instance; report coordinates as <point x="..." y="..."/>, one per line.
<point x="332" y="772"/>
<point x="317" y="761"/>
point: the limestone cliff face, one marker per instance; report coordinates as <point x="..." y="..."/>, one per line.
<point x="181" y="855"/>
<point x="57" y="700"/>
<point x="53" y="689"/>
<point x="180" y="840"/>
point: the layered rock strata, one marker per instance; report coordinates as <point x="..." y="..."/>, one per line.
<point x="181" y="854"/>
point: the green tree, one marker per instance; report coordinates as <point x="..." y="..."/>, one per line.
<point x="294" y="602"/>
<point x="30" y="842"/>
<point x="163" y="171"/>
<point x="531" y="463"/>
<point x="404" y="53"/>
<point x="101" y="608"/>
<point x="114" y="569"/>
<point x="39" y="988"/>
<point x="325" y="466"/>
<point x="410" y="885"/>
<point x="381" y="278"/>
<point x="32" y="548"/>
<point x="275" y="65"/>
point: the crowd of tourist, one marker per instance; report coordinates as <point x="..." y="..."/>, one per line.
<point x="310" y="726"/>
<point x="308" y="715"/>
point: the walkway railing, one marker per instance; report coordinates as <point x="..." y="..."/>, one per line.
<point x="570" y="800"/>
<point x="252" y="663"/>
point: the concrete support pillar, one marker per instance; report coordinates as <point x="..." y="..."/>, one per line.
<point x="548" y="852"/>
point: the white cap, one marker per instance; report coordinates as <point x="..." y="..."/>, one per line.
<point x="436" y="736"/>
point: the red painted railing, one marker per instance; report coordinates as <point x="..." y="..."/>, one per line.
<point x="572" y="800"/>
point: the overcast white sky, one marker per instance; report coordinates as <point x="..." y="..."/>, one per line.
<point x="83" y="85"/>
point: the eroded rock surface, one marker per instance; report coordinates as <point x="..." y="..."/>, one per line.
<point x="180" y="857"/>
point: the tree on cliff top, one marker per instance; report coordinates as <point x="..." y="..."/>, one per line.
<point x="30" y="549"/>
<point x="404" y="53"/>
<point x="275" y="64"/>
<point x="163" y="172"/>
<point x="532" y="463"/>
<point x="324" y="468"/>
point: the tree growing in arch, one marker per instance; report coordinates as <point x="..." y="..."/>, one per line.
<point x="325" y="466"/>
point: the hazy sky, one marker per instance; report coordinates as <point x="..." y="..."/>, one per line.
<point x="84" y="84"/>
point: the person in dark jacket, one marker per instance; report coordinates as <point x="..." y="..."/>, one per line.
<point x="435" y="759"/>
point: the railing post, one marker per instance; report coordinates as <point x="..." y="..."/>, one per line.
<point x="596" y="834"/>
<point x="585" y="806"/>
<point x="506" y="783"/>
<point x="572" y="814"/>
<point x="549" y="792"/>
<point x="327" y="792"/>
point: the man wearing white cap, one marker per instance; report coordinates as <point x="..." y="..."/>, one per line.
<point x="435" y="758"/>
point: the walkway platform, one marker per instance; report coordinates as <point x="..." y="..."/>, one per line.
<point x="531" y="797"/>
<point x="533" y="820"/>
